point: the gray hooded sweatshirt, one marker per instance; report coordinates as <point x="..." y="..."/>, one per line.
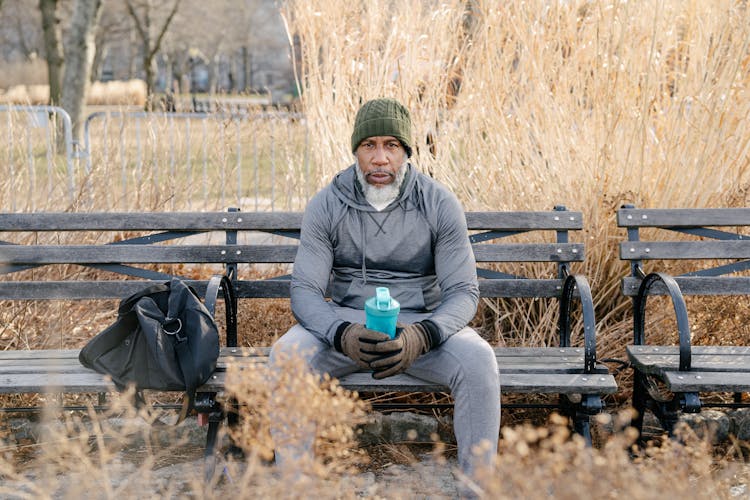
<point x="418" y="246"/>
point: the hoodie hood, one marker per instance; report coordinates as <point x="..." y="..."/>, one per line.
<point x="347" y="189"/>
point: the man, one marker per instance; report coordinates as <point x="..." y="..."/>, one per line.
<point x="383" y="223"/>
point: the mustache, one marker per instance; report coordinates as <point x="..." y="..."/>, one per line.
<point x="379" y="171"/>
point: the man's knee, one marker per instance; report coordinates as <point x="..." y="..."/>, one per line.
<point x="296" y="342"/>
<point x="483" y="362"/>
<point x="476" y="358"/>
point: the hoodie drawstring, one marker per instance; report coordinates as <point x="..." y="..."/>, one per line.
<point x="363" y="243"/>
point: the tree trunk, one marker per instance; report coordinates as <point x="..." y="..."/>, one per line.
<point x="100" y="52"/>
<point x="79" y="55"/>
<point x="143" y="29"/>
<point x="52" y="48"/>
<point x="150" y="74"/>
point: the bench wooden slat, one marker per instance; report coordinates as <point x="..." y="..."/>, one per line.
<point x="39" y="355"/>
<point x="521" y="221"/>
<point x="546" y="352"/>
<point x="528" y="252"/>
<point x="88" y="381"/>
<point x="506" y="365"/>
<point x="265" y="221"/>
<point x="150" y="221"/>
<point x="515" y="383"/>
<point x="662" y="364"/>
<point x="363" y="382"/>
<point x="487" y="288"/>
<point x="694" y="285"/>
<point x="558" y="383"/>
<point x="135" y="254"/>
<point x="680" y="250"/>
<point x="520" y="288"/>
<point x="697" y="350"/>
<point x="707" y="381"/>
<point x="272" y="288"/>
<point x="509" y="359"/>
<point x="687" y="217"/>
<point x="113" y="289"/>
<point x="80" y="290"/>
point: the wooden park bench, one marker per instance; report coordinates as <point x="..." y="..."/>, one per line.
<point x="669" y="379"/>
<point x="570" y="372"/>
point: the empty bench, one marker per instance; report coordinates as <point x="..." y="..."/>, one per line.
<point x="571" y="372"/>
<point x="671" y="379"/>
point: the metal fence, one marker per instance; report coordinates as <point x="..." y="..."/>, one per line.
<point x="155" y="161"/>
<point x="38" y="155"/>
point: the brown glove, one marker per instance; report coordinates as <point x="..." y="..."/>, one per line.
<point x="395" y="356"/>
<point x="357" y="342"/>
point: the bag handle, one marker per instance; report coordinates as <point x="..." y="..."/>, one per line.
<point x="185" y="359"/>
<point x="184" y="356"/>
<point x="127" y="304"/>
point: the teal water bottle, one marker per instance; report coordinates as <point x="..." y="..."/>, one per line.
<point x="381" y="312"/>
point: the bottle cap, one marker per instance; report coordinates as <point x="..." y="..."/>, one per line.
<point x="382" y="298"/>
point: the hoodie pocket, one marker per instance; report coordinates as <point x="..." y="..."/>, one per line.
<point x="409" y="297"/>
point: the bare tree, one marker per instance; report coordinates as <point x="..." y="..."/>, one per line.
<point x="248" y="31"/>
<point x="79" y="53"/>
<point x="141" y="11"/>
<point x="20" y="33"/>
<point x="114" y="26"/>
<point x="52" y="48"/>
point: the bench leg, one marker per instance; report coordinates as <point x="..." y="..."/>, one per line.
<point x="209" y="456"/>
<point x="666" y="411"/>
<point x="206" y="404"/>
<point x="580" y="413"/>
<point x="233" y="418"/>
<point x="640" y="396"/>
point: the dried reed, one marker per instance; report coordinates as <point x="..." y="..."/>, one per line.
<point x="585" y="104"/>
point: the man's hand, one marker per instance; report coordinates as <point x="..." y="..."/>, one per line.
<point x="395" y="356"/>
<point x="358" y="342"/>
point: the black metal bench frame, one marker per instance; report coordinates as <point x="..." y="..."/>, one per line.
<point x="684" y="370"/>
<point x="573" y="373"/>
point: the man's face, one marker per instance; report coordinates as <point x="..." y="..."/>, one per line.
<point x="380" y="158"/>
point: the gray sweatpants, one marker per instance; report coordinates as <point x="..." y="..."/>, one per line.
<point x="465" y="363"/>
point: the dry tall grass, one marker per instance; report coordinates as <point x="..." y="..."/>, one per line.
<point x="590" y="104"/>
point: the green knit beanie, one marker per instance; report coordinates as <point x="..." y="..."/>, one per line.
<point x="383" y="117"/>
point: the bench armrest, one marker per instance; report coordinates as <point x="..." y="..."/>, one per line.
<point x="678" y="302"/>
<point x="220" y="282"/>
<point x="573" y="282"/>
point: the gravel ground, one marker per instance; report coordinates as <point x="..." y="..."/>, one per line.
<point x="136" y="471"/>
<point x="140" y="469"/>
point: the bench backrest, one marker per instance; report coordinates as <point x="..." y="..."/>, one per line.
<point x="237" y="238"/>
<point x="704" y="238"/>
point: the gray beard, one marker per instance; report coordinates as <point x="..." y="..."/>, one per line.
<point x="381" y="197"/>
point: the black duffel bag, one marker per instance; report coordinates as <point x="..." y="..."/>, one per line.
<point x="164" y="339"/>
